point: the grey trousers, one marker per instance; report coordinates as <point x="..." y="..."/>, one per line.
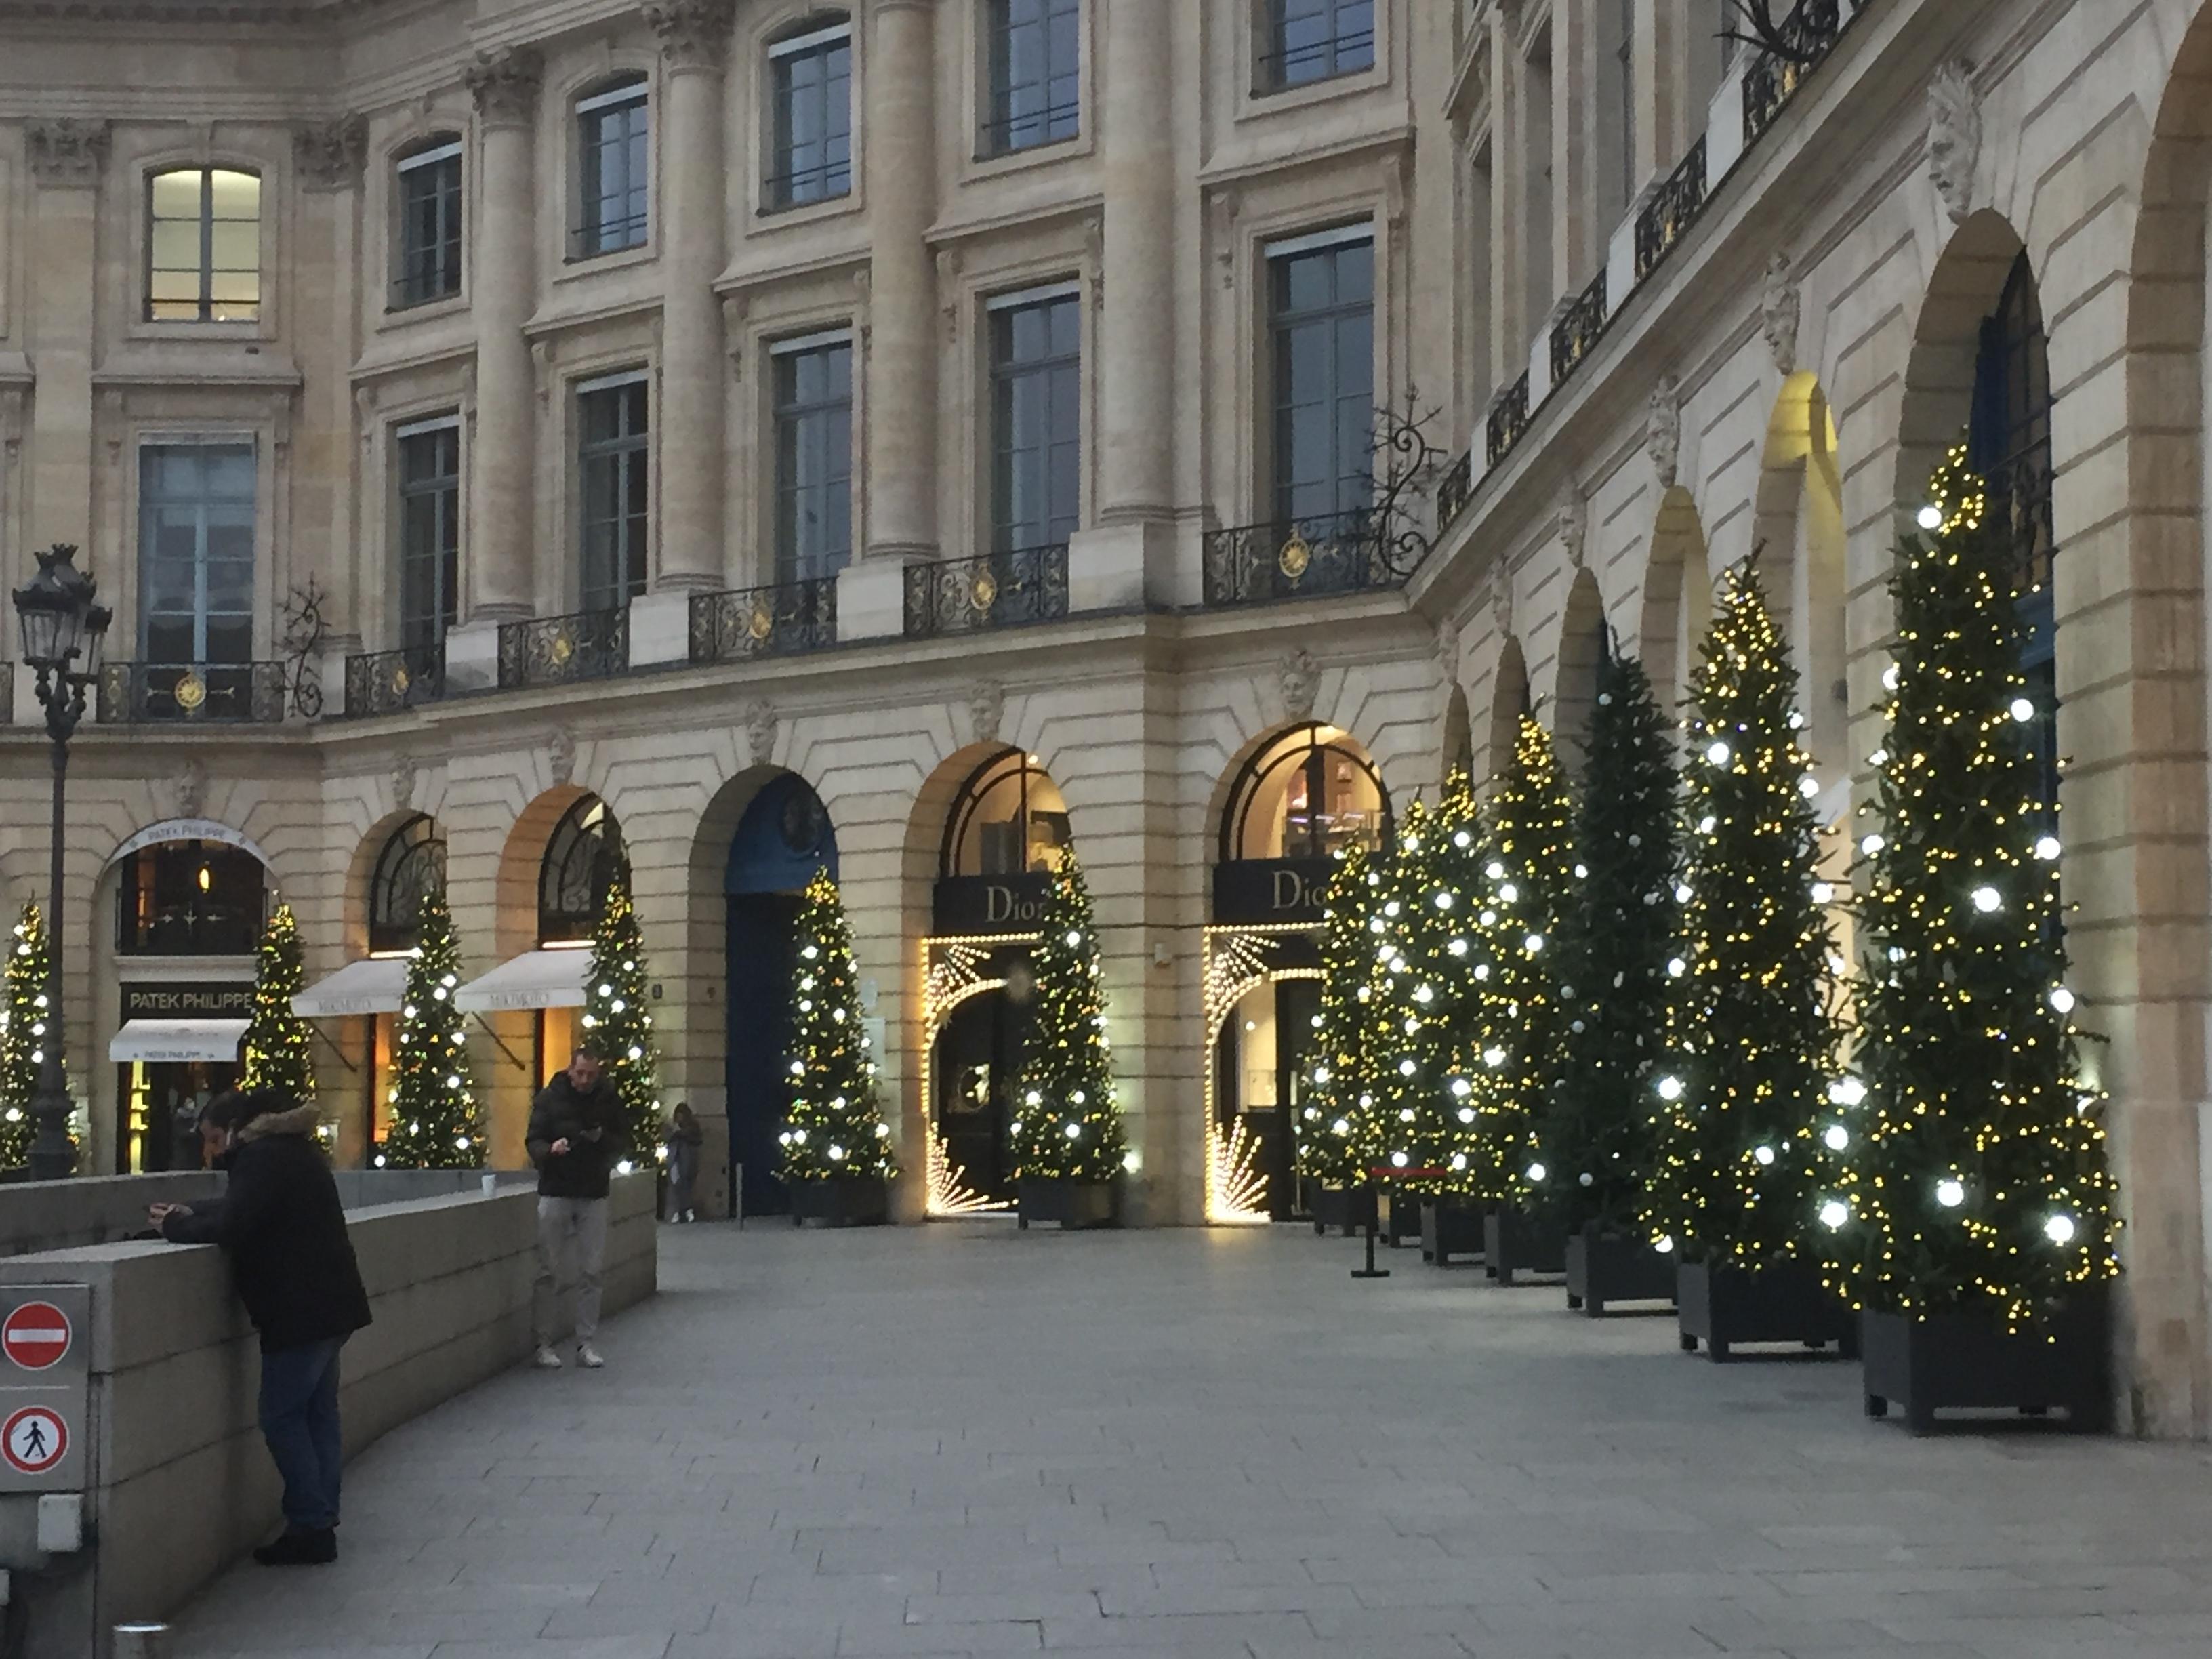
<point x="572" y="1246"/>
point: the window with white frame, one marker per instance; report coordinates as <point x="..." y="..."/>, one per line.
<point x="612" y="466"/>
<point x="614" y="165"/>
<point x="196" y="551"/>
<point x="811" y="116"/>
<point x="1321" y="339"/>
<point x="1036" y="416"/>
<point x="1034" y="54"/>
<point x="204" y="246"/>
<point x="429" y="468"/>
<point x="813" y="455"/>
<point x="427" y="250"/>
<point x="1306" y="40"/>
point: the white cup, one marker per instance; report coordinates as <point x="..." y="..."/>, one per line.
<point x="490" y="1184"/>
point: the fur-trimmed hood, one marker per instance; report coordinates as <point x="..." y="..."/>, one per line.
<point x="300" y="1120"/>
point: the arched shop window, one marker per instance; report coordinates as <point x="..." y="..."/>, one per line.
<point x="1009" y="819"/>
<point x="1309" y="795"/>
<point x="2009" y="443"/>
<point x="583" y="856"/>
<point x="410" y="867"/>
<point x="190" y="898"/>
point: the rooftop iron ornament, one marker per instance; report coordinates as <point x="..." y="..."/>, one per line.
<point x="1407" y="467"/>
<point x="1788" y="38"/>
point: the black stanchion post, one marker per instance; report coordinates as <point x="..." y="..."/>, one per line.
<point x="1375" y="1205"/>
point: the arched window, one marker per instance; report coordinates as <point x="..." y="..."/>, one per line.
<point x="1307" y="795"/>
<point x="585" y="853"/>
<point x="410" y="868"/>
<point x="193" y="899"/>
<point x="204" y="246"/>
<point x="1009" y="819"/>
<point x="2009" y="443"/>
<point x="426" y="243"/>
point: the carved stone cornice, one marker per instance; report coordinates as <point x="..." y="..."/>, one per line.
<point x="504" y="84"/>
<point x="66" y="153"/>
<point x="330" y="154"/>
<point x="693" y="34"/>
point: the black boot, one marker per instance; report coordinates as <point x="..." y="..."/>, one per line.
<point x="315" y="1548"/>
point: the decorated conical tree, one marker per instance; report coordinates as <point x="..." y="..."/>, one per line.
<point x="1330" y="1117"/>
<point x="1411" y="1057"/>
<point x="1979" y="1183"/>
<point x="435" y="1122"/>
<point x="1615" y="941"/>
<point x="279" y="1051"/>
<point x="1742" y="1090"/>
<point x="1451" y="954"/>
<point x="835" y="1126"/>
<point x="616" y="994"/>
<point x="22" y="1032"/>
<point x="1069" y="1126"/>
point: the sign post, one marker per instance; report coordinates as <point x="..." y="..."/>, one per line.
<point x="46" y="1378"/>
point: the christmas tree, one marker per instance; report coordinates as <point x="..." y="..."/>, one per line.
<point x="1979" y="1183"/>
<point x="1517" y="1068"/>
<point x="617" y="1023"/>
<point x="278" y="1054"/>
<point x="435" y="1122"/>
<point x="22" y="1033"/>
<point x="1615" y="941"/>
<point x="835" y="1127"/>
<point x="1742" y="1090"/>
<point x="1409" y="1003"/>
<point x="1069" y="1126"/>
<point x="1330" y="1118"/>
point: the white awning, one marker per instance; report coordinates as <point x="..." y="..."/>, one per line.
<point x="537" y="979"/>
<point x="177" y="1039"/>
<point x="373" y="985"/>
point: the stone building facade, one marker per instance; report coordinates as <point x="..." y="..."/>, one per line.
<point x="931" y="434"/>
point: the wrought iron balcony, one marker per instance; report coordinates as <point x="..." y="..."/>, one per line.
<point x="220" y="694"/>
<point x="1297" y="559"/>
<point x="761" y="622"/>
<point x="1508" y="419"/>
<point x="385" y="682"/>
<point x="1579" y="329"/>
<point x="1674" y="208"/>
<point x="587" y="645"/>
<point x="1454" y="489"/>
<point x="1811" y="31"/>
<point x="993" y="590"/>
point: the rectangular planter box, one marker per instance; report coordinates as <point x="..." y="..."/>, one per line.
<point x="1515" y="1242"/>
<point x="1450" y="1228"/>
<point x="1072" y="1203"/>
<point x="1723" y="1306"/>
<point x="1401" y="1218"/>
<point x="1349" y="1209"/>
<point x="841" y="1201"/>
<point x="1603" y="1268"/>
<point x="1922" y="1366"/>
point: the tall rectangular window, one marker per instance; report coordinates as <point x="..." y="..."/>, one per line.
<point x="427" y="263"/>
<point x="811" y="140"/>
<point x="1037" y="418"/>
<point x="195" y="553"/>
<point x="813" y="457"/>
<point x="612" y="461"/>
<point x="615" y="163"/>
<point x="1036" y="49"/>
<point x="204" y="246"/>
<point x="1305" y="40"/>
<point x="1322" y="327"/>
<point x="429" y="529"/>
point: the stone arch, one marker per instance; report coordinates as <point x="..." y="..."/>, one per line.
<point x="1799" y="526"/>
<point x="1584" y="645"/>
<point x="1459" y="735"/>
<point x="359" y="871"/>
<point x="1509" y="701"/>
<point x="1968" y="281"/>
<point x="1678" y="599"/>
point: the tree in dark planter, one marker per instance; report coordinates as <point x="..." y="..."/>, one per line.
<point x="1068" y="1144"/>
<point x="835" y="1143"/>
<point x="1407" y="1058"/>
<point x="435" y="1121"/>
<point x="618" y="1022"/>
<point x="1331" y="1120"/>
<point x="1976" y="1223"/>
<point x="279" y="1046"/>
<point x="1445" y="962"/>
<point x="23" y="1032"/>
<point x="1741" y="1093"/>
<point x="1616" y="938"/>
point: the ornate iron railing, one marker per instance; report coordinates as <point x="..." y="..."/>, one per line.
<point x="1508" y="419"/>
<point x="1454" y="489"/>
<point x="1296" y="559"/>
<point x="993" y="590"/>
<point x="1673" y="208"/>
<point x="385" y="682"/>
<point x="1811" y="31"/>
<point x="1578" y="328"/>
<point x="587" y="645"/>
<point x="760" y="622"/>
<point x="229" y="693"/>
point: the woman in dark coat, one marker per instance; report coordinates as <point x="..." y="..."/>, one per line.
<point x="684" y="1139"/>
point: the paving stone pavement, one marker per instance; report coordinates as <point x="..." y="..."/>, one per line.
<point x="964" y="1440"/>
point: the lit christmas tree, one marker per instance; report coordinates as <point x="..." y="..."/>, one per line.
<point x="1615" y="941"/>
<point x="22" y="1033"/>
<point x="616" y="1021"/>
<point x="835" y="1128"/>
<point x="1331" y="1119"/>
<point x="1742" y="1092"/>
<point x="1980" y="1184"/>
<point x="278" y="1054"/>
<point x="435" y="1122"/>
<point x="1070" y="1125"/>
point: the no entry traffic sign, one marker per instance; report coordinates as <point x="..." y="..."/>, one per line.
<point x="33" y="1439"/>
<point x="35" y="1336"/>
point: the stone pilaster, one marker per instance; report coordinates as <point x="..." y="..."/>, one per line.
<point x="1136" y="347"/>
<point x="901" y="371"/>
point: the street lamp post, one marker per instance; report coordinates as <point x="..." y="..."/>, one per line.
<point x="64" y="631"/>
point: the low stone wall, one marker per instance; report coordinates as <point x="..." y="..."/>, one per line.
<point x="179" y="1485"/>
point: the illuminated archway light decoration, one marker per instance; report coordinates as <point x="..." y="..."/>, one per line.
<point x="1234" y="964"/>
<point x="955" y="970"/>
<point x="950" y="1194"/>
<point x="1236" y="1191"/>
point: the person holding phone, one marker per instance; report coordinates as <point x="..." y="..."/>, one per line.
<point x="574" y="1138"/>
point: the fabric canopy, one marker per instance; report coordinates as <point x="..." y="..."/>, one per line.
<point x="373" y="986"/>
<point x="537" y="979"/>
<point x="177" y="1039"/>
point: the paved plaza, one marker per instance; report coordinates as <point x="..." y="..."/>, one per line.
<point x="962" y="1439"/>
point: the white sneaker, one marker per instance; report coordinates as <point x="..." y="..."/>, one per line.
<point x="588" y="1357"/>
<point x="546" y="1360"/>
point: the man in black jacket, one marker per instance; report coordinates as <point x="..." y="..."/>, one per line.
<point x="574" y="1138"/>
<point x="280" y="1223"/>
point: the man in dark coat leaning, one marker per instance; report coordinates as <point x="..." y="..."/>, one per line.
<point x="574" y="1138"/>
<point x="280" y="1221"/>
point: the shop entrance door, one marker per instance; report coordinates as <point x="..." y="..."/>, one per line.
<point x="976" y="1068"/>
<point x="158" y="1109"/>
<point x="1260" y="1059"/>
